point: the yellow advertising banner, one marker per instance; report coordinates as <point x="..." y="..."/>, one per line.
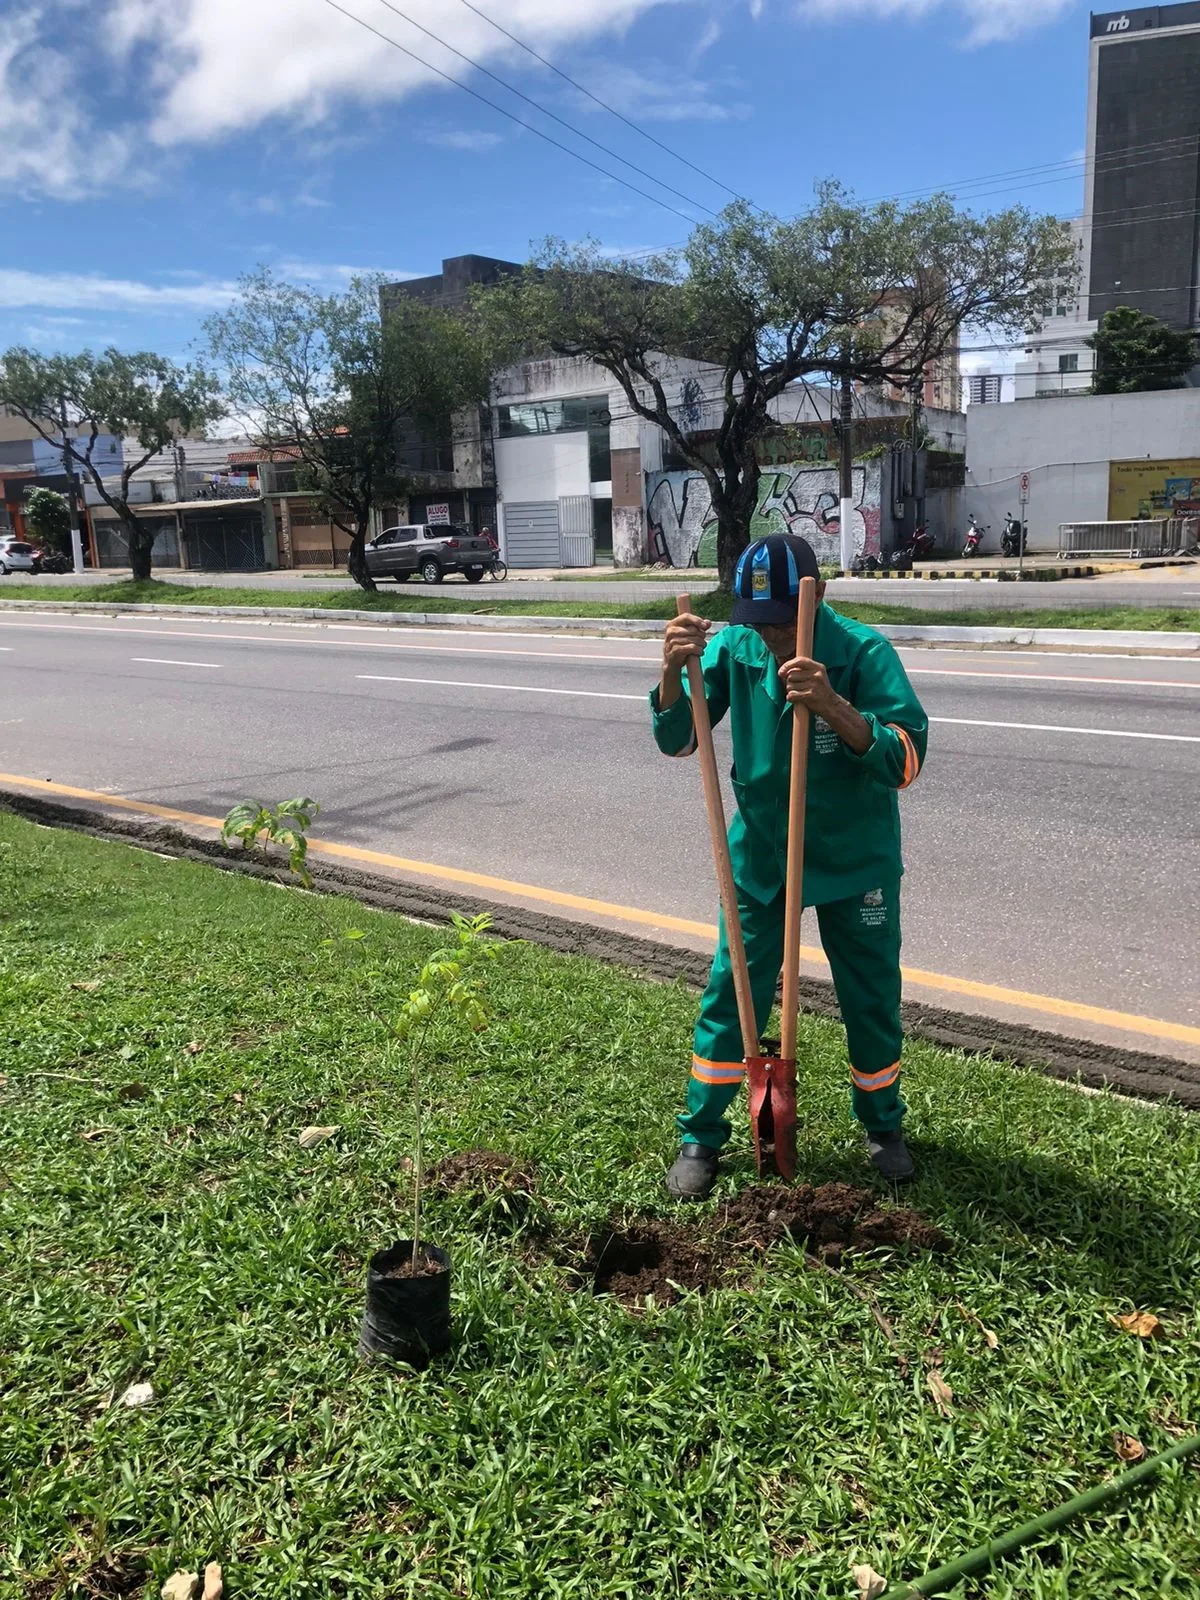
<point x="1141" y="489"/>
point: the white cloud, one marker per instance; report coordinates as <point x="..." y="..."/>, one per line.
<point x="662" y="97"/>
<point x="79" y="291"/>
<point x="470" y="139"/>
<point x="300" y="59"/>
<point x="50" y="149"/>
<point x="335" y="275"/>
<point x="988" y="21"/>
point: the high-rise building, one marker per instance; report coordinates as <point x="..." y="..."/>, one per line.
<point x="1139" y="236"/>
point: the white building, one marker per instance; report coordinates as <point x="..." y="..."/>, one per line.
<point x="1058" y="360"/>
<point x="1119" y="457"/>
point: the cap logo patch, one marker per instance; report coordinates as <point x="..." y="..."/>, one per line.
<point x="761" y="581"/>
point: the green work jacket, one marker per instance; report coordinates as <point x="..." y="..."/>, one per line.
<point x="852" y="826"/>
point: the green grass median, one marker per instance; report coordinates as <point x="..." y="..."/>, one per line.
<point x="168" y="1030"/>
<point x="490" y="601"/>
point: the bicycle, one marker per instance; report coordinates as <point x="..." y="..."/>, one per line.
<point x="498" y="570"/>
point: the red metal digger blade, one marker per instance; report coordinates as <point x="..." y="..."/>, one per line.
<point x="771" y="1082"/>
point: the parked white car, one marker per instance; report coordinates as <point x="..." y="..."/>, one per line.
<point x="16" y="556"/>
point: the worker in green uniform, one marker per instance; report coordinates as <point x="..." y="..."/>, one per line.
<point x="867" y="741"/>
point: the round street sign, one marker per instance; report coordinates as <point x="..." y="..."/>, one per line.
<point x="1024" y="483"/>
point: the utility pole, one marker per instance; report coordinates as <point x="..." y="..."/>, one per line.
<point x="72" y="489"/>
<point x="846" y="434"/>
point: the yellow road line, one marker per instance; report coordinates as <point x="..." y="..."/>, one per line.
<point x="1049" y="1005"/>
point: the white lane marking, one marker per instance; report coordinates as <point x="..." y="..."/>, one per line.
<point x="1050" y="727"/>
<point x="508" y="688"/>
<point x="7" y="648"/>
<point x="1050" y="677"/>
<point x="415" y="645"/>
<point x="167" y="661"/>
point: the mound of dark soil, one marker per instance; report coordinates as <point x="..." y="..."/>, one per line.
<point x="666" y="1257"/>
<point x="500" y="1191"/>
<point x="833" y="1217"/>
<point x="482" y="1172"/>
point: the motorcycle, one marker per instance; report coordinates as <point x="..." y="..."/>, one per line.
<point x="1012" y="539"/>
<point x="53" y="561"/>
<point x="974" y="537"/>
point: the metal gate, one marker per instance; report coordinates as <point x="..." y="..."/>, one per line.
<point x="227" y="542"/>
<point x="577" y="543"/>
<point x="531" y="534"/>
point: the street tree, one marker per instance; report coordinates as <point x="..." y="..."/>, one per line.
<point x="860" y="295"/>
<point x="1135" y="351"/>
<point x="327" y="381"/>
<point x="48" y="519"/>
<point x="141" y="397"/>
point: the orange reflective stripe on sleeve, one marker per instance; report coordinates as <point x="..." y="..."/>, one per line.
<point x="876" y="1080"/>
<point x="718" y="1071"/>
<point x="911" y="765"/>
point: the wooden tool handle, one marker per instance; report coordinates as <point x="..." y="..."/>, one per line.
<point x="715" y="805"/>
<point x="794" y="896"/>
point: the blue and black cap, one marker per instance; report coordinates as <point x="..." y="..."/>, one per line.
<point x="766" y="585"/>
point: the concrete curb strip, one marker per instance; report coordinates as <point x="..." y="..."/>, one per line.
<point x="1079" y="1061"/>
<point x="1113" y="641"/>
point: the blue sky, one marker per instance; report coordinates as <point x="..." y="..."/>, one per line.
<point x="153" y="150"/>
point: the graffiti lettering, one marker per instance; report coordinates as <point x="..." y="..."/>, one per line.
<point x="795" y="498"/>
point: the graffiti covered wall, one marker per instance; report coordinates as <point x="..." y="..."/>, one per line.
<point x="794" y="498"/>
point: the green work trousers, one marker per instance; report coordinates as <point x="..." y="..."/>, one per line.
<point x="861" y="937"/>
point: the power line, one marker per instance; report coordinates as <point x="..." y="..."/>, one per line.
<point x="512" y="117"/>
<point x="546" y="112"/>
<point x="612" y="110"/>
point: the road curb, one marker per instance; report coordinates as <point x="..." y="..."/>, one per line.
<point x="1111" y="640"/>
<point x="1079" y="1061"/>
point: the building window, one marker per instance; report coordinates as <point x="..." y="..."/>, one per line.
<point x="578" y="414"/>
<point x="985" y="389"/>
<point x="1069" y="363"/>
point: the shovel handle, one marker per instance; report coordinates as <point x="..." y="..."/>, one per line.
<point x="794" y="896"/>
<point x="715" y="806"/>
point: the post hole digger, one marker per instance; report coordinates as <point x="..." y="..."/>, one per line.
<point x="832" y="842"/>
<point x="770" y="1077"/>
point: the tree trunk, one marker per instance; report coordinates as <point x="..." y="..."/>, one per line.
<point x="356" y="557"/>
<point x="735" y="515"/>
<point x="140" y="539"/>
<point x="733" y="535"/>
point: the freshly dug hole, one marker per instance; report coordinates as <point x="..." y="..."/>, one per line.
<point x="665" y="1257"/>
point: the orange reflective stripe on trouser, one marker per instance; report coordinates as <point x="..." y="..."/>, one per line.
<point x="730" y="1072"/>
<point x="911" y="765"/>
<point x="870" y="1081"/>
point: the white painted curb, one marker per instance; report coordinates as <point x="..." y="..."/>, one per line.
<point x="1105" y="640"/>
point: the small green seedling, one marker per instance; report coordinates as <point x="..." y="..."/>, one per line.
<point x="286" y="825"/>
<point x="449" y="984"/>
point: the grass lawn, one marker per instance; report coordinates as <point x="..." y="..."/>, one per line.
<point x="489" y="601"/>
<point x="756" y="1441"/>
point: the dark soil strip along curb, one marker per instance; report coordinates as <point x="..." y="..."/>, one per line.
<point x="1098" y="1066"/>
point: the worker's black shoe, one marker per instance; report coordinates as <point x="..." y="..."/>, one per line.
<point x="694" y="1173"/>
<point x="890" y="1158"/>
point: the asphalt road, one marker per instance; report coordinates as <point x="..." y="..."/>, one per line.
<point x="1051" y="841"/>
<point x="1177" y="587"/>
